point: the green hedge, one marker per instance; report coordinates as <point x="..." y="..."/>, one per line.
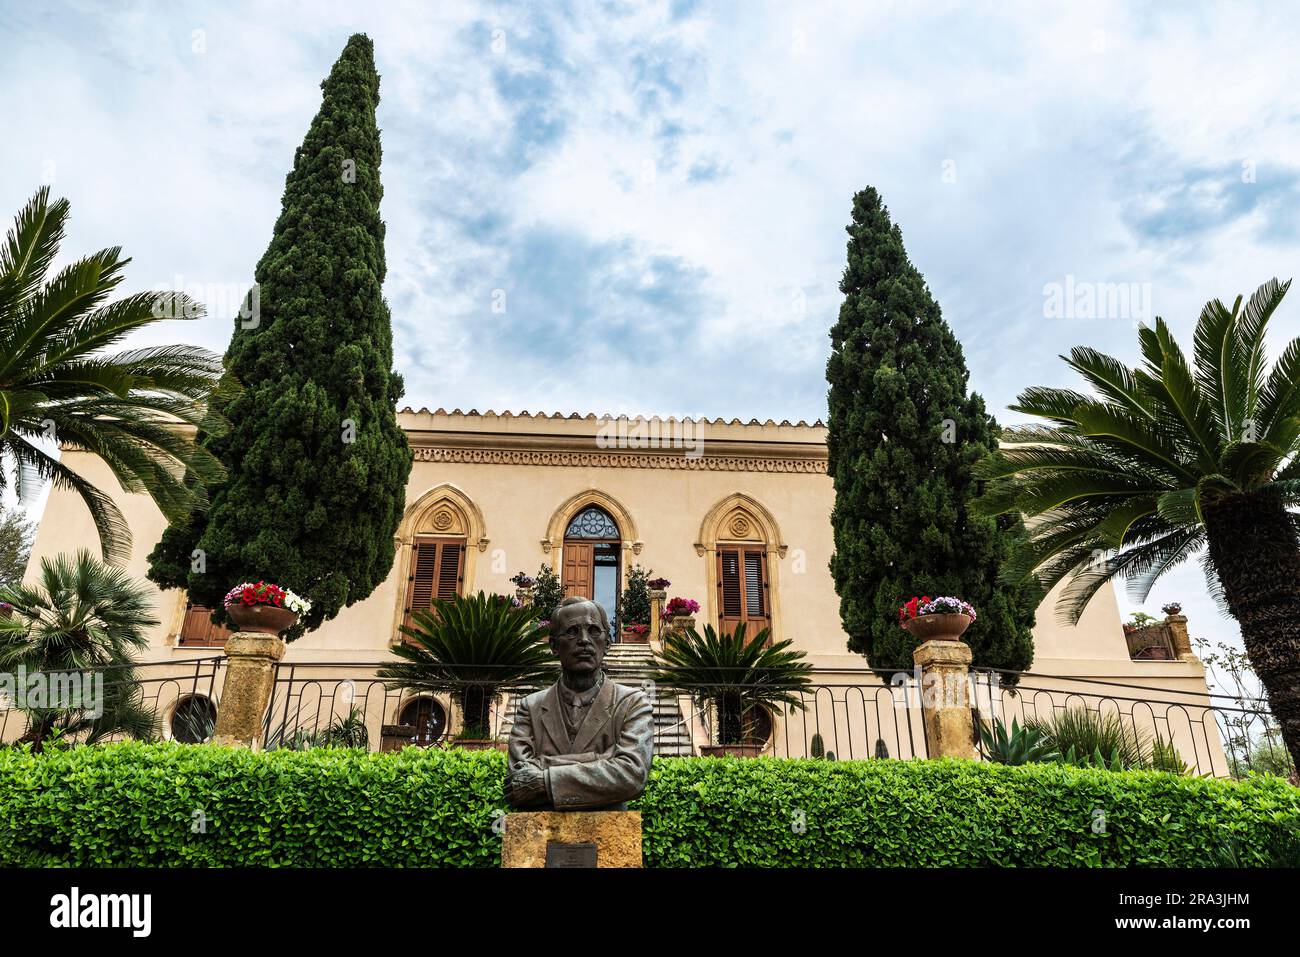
<point x="135" y="804"/>
<point x="747" y="813"/>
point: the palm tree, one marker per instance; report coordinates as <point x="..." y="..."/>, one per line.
<point x="734" y="675"/>
<point x="473" y="648"/>
<point x="57" y="386"/>
<point x="81" y="615"/>
<point x="1164" y="459"/>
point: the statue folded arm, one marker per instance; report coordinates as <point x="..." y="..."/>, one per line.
<point x="577" y="782"/>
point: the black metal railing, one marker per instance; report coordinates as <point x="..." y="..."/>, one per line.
<point x="326" y="702"/>
<point x="854" y="716"/>
<point x="1210" y="734"/>
<point x="161" y="686"/>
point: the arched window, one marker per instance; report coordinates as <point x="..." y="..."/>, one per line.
<point x="194" y="719"/>
<point x="440" y="535"/>
<point x="438" y="552"/>
<point x="593" y="522"/>
<point x="741" y="542"/>
<point x="429" y="719"/>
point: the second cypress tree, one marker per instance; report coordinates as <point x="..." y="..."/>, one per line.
<point x="904" y="434"/>
<point x="317" y="462"/>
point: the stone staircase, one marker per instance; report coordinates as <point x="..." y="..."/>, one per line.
<point x="628" y="664"/>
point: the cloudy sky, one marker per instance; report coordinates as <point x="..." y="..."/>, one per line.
<point x="659" y="190"/>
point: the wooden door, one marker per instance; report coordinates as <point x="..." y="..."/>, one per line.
<point x="579" y="569"/>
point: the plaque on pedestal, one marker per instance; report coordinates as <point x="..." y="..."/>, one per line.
<point x="571" y="855"/>
<point x="572" y="839"/>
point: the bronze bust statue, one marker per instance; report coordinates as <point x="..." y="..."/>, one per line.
<point x="583" y="744"/>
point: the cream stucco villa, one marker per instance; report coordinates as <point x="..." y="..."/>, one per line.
<point x="735" y="514"/>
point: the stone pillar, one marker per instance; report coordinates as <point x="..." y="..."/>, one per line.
<point x="1179" y="638"/>
<point x="572" y="839"/>
<point x="680" y="624"/>
<point x="656" y="622"/>
<point x="251" y="658"/>
<point x="945" y="698"/>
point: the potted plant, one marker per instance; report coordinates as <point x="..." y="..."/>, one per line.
<point x="1171" y="609"/>
<point x="542" y="592"/>
<point x="658" y="588"/>
<point x="264" y="608"/>
<point x="474" y="648"/>
<point x="636" y="634"/>
<point x="524" y="586"/>
<point x="936" y="619"/>
<point x="739" y="678"/>
<point x="634" y="606"/>
<point x="679" y="614"/>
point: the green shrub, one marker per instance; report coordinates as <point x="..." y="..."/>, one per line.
<point x="1280" y="850"/>
<point x="1016" y="746"/>
<point x="1165" y="757"/>
<point x="1096" y="739"/>
<point x="749" y="813"/>
<point x="634" y="604"/>
<point x="143" y="804"/>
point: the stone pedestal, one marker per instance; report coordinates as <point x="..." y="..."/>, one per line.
<point x="614" y="836"/>
<point x="1179" y="638"/>
<point x="250" y="678"/>
<point x="657" y="597"/>
<point x="945" y="698"/>
<point x="678" y="625"/>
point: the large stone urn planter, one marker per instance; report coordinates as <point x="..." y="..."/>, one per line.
<point x="262" y="619"/>
<point x="949" y="626"/>
<point x="680" y="624"/>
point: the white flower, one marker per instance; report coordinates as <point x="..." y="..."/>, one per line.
<point x="296" y="603"/>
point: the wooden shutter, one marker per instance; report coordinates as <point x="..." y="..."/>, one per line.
<point x="579" y="569"/>
<point x="451" y="563"/>
<point x="756" y="597"/>
<point x="731" y="610"/>
<point x="437" y="570"/>
<point x="743" y="589"/>
<point x="198" y="630"/>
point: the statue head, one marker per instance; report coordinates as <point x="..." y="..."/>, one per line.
<point x="580" y="635"/>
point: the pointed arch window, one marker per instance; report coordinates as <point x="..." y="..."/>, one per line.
<point x="592" y="523"/>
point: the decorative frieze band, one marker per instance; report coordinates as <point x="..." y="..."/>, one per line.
<point x="619" y="460"/>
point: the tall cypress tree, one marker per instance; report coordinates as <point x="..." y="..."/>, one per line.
<point x="317" y="463"/>
<point x="904" y="434"/>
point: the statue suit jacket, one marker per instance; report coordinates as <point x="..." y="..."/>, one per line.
<point x="609" y="760"/>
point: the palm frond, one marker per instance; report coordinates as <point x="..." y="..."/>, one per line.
<point x="30" y="248"/>
<point x="1254" y="320"/>
<point x="1280" y="399"/>
<point x="1220" y="364"/>
<point x="137" y="411"/>
<point x="111" y="526"/>
<point x="1111" y="378"/>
